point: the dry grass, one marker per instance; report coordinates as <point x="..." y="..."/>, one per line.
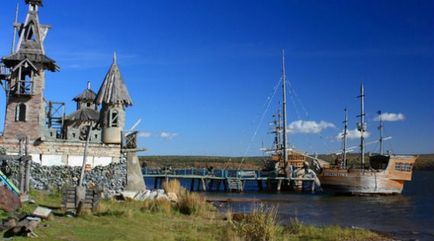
<point x="157" y="205"/>
<point x="173" y="186"/>
<point x="260" y="225"/>
<point x="190" y="203"/>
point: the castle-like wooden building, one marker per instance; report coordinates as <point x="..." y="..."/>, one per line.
<point x="52" y="137"/>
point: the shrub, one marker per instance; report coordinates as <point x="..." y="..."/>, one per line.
<point x="173" y="186"/>
<point x="260" y="225"/>
<point x="191" y="203"/>
<point x="295" y="226"/>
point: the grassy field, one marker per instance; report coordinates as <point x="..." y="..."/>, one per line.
<point x="162" y="220"/>
<point x="424" y="161"/>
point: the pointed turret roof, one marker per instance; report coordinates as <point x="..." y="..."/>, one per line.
<point x="113" y="89"/>
<point x="88" y="95"/>
<point x="31" y="39"/>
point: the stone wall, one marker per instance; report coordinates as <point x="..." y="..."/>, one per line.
<point x="111" y="179"/>
<point x="68" y="153"/>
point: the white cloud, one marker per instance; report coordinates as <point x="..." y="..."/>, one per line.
<point x="168" y="135"/>
<point x="352" y="134"/>
<point x="144" y="134"/>
<point x="390" y="117"/>
<point x="301" y="126"/>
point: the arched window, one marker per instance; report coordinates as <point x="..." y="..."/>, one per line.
<point x="113" y="118"/>
<point x="20" y="112"/>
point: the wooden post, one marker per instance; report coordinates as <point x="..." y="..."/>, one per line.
<point x="192" y="185"/>
<point x="198" y="185"/>
<point x="210" y="185"/>
<point x="203" y="184"/>
<point x="260" y="187"/>
<point x="279" y="185"/>
<point x="83" y="166"/>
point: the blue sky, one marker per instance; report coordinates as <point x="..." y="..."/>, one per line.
<point x="200" y="72"/>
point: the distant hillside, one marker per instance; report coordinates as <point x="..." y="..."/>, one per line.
<point x="424" y="162"/>
<point x="201" y="161"/>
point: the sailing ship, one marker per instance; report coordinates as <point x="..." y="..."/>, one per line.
<point x="285" y="163"/>
<point x="382" y="174"/>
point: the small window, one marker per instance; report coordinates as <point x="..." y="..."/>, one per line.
<point x="403" y="167"/>
<point x="20" y="112"/>
<point x="84" y="130"/>
<point x="114" y="118"/>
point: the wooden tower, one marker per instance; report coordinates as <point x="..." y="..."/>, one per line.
<point x="25" y="107"/>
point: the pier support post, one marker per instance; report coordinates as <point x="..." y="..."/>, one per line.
<point x="210" y="185"/>
<point x="192" y="185"/>
<point x="260" y="186"/>
<point x="203" y="184"/>
<point x="198" y="185"/>
<point x="279" y="185"/>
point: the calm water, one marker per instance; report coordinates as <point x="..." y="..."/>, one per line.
<point x="409" y="216"/>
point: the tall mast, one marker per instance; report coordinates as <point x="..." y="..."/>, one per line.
<point x="285" y="138"/>
<point x="381" y="129"/>
<point x="362" y="125"/>
<point x="345" y="138"/>
<point x="15" y="25"/>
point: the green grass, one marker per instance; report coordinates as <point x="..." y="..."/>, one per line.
<point x="134" y="220"/>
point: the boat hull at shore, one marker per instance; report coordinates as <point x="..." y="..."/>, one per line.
<point x="388" y="180"/>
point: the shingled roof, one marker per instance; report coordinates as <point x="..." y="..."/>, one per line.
<point x="83" y="115"/>
<point x="113" y="89"/>
<point x="86" y="96"/>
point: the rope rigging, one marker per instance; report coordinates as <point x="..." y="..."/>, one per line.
<point x="267" y="107"/>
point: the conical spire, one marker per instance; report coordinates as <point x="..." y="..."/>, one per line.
<point x="113" y="90"/>
<point x="31" y="41"/>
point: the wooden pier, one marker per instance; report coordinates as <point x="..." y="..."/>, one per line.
<point x="228" y="180"/>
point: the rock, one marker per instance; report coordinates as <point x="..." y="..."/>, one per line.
<point x="24" y="228"/>
<point x="10" y="222"/>
<point x="42" y="212"/>
<point x="9" y="201"/>
<point x="128" y="194"/>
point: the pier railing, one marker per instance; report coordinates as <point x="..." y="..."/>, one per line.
<point x="215" y="174"/>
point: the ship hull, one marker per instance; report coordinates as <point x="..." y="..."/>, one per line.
<point x="390" y="180"/>
<point x="367" y="183"/>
